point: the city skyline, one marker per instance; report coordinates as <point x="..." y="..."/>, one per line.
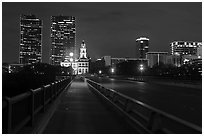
<point x="108" y="28"/>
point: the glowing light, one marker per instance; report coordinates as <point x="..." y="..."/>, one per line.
<point x="71" y="54"/>
<point x="71" y="59"/>
<point x="99" y="71"/>
<point x="141" y="68"/>
<point x="112" y="70"/>
<point x="142" y="38"/>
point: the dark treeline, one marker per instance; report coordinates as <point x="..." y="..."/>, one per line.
<point x="185" y="72"/>
<point x="132" y="68"/>
<point x="30" y="77"/>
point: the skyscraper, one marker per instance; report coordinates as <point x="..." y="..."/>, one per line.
<point x="30" y="39"/>
<point x="142" y="44"/>
<point x="63" y="38"/>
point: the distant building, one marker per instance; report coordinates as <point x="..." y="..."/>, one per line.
<point x="184" y="48"/>
<point x="199" y="52"/>
<point x="115" y="61"/>
<point x="83" y="61"/>
<point x="156" y="58"/>
<point x="80" y="65"/>
<point x="187" y="58"/>
<point x="107" y="60"/>
<point x="131" y="66"/>
<point x="101" y="64"/>
<point x="15" y="68"/>
<point x="30" y="39"/>
<point x="197" y="63"/>
<point x="63" y="38"/>
<point x="142" y="44"/>
<point x="175" y="60"/>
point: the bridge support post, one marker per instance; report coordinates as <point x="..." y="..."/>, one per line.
<point x="51" y="92"/>
<point x="32" y="104"/>
<point x="43" y="98"/>
<point x="9" y="117"/>
<point x="155" y="122"/>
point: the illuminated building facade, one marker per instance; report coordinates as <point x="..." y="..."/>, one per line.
<point x="142" y="44"/>
<point x="83" y="61"/>
<point x="80" y="65"/>
<point x="184" y="48"/>
<point x="63" y="38"/>
<point x="156" y="58"/>
<point x="30" y="39"/>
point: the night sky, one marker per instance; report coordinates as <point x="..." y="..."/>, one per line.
<point x="107" y="28"/>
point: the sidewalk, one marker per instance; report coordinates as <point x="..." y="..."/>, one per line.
<point x="81" y="112"/>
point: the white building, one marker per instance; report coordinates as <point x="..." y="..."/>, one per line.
<point x="83" y="61"/>
<point x="184" y="47"/>
<point x="80" y="65"/>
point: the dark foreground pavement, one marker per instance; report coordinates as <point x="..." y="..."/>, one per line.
<point x="81" y="112"/>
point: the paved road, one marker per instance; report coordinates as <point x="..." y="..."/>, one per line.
<point x="82" y="112"/>
<point x="182" y="102"/>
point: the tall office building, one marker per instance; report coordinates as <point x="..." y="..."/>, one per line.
<point x="30" y="39"/>
<point x="184" y="48"/>
<point x="142" y="44"/>
<point x="63" y="38"/>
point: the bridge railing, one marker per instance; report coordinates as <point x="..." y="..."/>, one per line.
<point x="145" y="118"/>
<point x="20" y="110"/>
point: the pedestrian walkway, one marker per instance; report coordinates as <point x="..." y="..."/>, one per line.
<point x="81" y="112"/>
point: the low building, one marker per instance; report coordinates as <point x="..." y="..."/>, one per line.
<point x="107" y="60"/>
<point x="115" y="61"/>
<point x="156" y="58"/>
<point x="14" y="68"/>
<point x="174" y="60"/>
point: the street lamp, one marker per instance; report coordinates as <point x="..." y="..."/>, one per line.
<point x="112" y="70"/>
<point x="141" y="68"/>
<point x="71" y="54"/>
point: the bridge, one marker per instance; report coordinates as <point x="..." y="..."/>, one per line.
<point x="104" y="105"/>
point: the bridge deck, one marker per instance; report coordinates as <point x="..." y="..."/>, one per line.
<point x="80" y="111"/>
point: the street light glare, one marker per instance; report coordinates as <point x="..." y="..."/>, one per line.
<point x="71" y="54"/>
<point x="141" y="68"/>
<point x="112" y="70"/>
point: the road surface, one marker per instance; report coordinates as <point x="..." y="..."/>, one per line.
<point x="183" y="102"/>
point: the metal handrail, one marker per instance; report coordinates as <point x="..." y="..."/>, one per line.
<point x="153" y="109"/>
<point x="8" y="105"/>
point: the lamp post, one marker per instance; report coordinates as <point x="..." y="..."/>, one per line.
<point x="112" y="70"/>
<point x="141" y="68"/>
<point x="71" y="54"/>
